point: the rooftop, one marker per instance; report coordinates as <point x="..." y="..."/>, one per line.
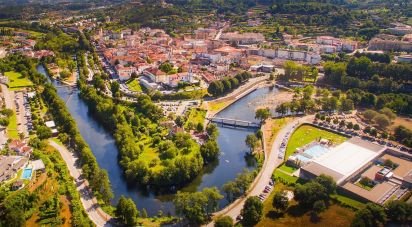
<point x="345" y="159"/>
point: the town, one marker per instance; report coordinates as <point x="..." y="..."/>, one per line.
<point x="205" y="114"/>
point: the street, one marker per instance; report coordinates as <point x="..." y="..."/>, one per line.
<point x="92" y="208"/>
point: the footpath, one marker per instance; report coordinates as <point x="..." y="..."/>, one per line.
<point x="90" y="204"/>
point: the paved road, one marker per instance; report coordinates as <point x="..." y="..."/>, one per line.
<point x="95" y="213"/>
<point x="8" y="97"/>
<point x="262" y="180"/>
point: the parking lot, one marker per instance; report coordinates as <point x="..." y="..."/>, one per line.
<point x="23" y="113"/>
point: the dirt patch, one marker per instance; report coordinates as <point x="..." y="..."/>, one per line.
<point x="334" y="216"/>
<point x="65" y="212"/>
<point x="271" y="128"/>
<point x="273" y="100"/>
<point x="39" y="181"/>
<point x="32" y="221"/>
<point x="404" y="121"/>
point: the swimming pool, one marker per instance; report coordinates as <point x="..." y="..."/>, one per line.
<point x="27" y="172"/>
<point x="302" y="158"/>
<point x="316" y="151"/>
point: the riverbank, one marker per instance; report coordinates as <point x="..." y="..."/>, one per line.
<point x="217" y="105"/>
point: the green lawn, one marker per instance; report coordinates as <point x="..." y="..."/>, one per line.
<point x="286" y="168"/>
<point x="305" y="134"/>
<point x="344" y="200"/>
<point x="366" y="187"/>
<point x="12" y="127"/>
<point x="287" y="178"/>
<point x="134" y="85"/>
<point x="196" y="116"/>
<point x="16" y="80"/>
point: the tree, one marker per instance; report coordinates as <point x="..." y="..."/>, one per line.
<point x="262" y="114"/>
<point x="347" y="105"/>
<point x="127" y="212"/>
<point x="369" y="114"/>
<point x="144" y="213"/>
<point x="225" y="221"/>
<point x="115" y="88"/>
<point x="282" y="109"/>
<point x="259" y="134"/>
<point x="356" y="127"/>
<point x="370" y="216"/>
<point x="166" y="67"/>
<point x="196" y="207"/>
<point x="280" y="201"/>
<point x="403" y="135"/>
<point x="327" y="182"/>
<point x="399" y="211"/>
<point x="212" y="130"/>
<point x="251" y="141"/>
<point x="318" y="207"/>
<point x="382" y="120"/>
<point x="64" y="74"/>
<point x="43" y="132"/>
<point x="210" y="150"/>
<point x="180" y="121"/>
<point x="389" y="113"/>
<point x="252" y="211"/>
<point x="349" y="125"/>
<point x="216" y="88"/>
<point x="309" y="193"/>
<point x="199" y="127"/>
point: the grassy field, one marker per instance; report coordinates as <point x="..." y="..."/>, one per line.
<point x="12" y="131"/>
<point x="271" y="129"/>
<point x="16" y="80"/>
<point x="218" y="105"/>
<point x="335" y="215"/>
<point x="305" y="134"/>
<point x="134" y="85"/>
<point x="195" y="116"/>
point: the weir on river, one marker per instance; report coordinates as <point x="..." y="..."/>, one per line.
<point x="231" y="142"/>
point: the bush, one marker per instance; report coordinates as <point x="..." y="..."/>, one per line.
<point x="225" y="221"/>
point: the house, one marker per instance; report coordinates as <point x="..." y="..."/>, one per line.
<point x="10" y="165"/>
<point x="20" y="147"/>
<point x="38" y="165"/>
<point x="17" y="185"/>
<point x="405" y="59"/>
<point x="156" y="75"/>
<point x="125" y="73"/>
<point x="52" y="126"/>
<point x="244" y="38"/>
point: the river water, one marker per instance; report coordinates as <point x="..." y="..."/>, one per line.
<point x="230" y="163"/>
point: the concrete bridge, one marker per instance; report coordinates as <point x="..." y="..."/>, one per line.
<point x="234" y="122"/>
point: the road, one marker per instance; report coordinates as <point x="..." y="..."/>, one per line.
<point x="8" y="97"/>
<point x="270" y="164"/>
<point x="95" y="213"/>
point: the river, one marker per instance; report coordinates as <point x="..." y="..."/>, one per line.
<point x="230" y="163"/>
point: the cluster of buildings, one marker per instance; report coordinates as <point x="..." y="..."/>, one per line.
<point x="387" y="171"/>
<point x="20" y="42"/>
<point x="17" y="169"/>
<point x="142" y="52"/>
<point x="399" y="39"/>
<point x="207" y="53"/>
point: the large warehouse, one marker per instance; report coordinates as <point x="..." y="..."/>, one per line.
<point x="387" y="170"/>
<point x="343" y="160"/>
